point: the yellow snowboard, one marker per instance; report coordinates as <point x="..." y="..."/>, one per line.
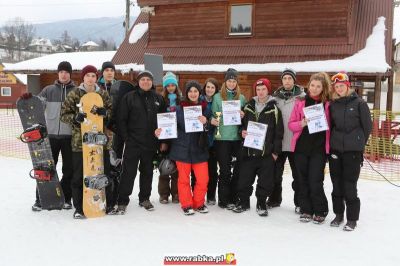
<point x="94" y="200"/>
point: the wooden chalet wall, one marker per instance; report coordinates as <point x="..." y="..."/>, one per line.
<point x="275" y="21"/>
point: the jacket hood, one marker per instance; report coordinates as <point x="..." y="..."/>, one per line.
<point x="282" y="93"/>
<point x="82" y="87"/>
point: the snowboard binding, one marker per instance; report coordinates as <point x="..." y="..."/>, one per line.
<point x="96" y="182"/>
<point x="42" y="173"/>
<point x="94" y="138"/>
<point x="35" y="133"/>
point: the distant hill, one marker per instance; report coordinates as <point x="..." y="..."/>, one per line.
<point x="85" y="29"/>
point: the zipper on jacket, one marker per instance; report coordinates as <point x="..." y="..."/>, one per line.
<point x="59" y="115"/>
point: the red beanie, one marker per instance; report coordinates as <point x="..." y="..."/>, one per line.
<point x="89" y="69"/>
<point x="263" y="81"/>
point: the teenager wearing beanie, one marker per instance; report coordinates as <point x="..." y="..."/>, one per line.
<point x="71" y="115"/>
<point x="168" y="184"/>
<point x="228" y="144"/>
<point x="310" y="151"/>
<point x="286" y="96"/>
<point x="59" y="133"/>
<point x="190" y="152"/>
<point x="261" y="163"/>
<point x="351" y="127"/>
<point x="107" y="76"/>
<point x="137" y="120"/>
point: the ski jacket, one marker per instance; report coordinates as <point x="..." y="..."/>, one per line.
<point x="285" y="101"/>
<point x="137" y="118"/>
<point x="351" y="123"/>
<point x="70" y="109"/>
<point x="271" y="116"/>
<point x="53" y="97"/>
<point x="295" y="123"/>
<point x="227" y="132"/>
<point x="190" y="147"/>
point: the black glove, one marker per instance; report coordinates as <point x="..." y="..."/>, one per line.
<point x="99" y="111"/>
<point x="80" y="117"/>
<point x="26" y="95"/>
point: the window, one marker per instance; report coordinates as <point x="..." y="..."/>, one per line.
<point x="5" y="91"/>
<point x="241" y="19"/>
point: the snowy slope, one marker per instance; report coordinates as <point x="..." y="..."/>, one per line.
<point x="143" y="238"/>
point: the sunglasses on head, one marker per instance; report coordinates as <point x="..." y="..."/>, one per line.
<point x="340" y="77"/>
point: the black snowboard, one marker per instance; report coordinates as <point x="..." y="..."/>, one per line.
<point x="31" y="112"/>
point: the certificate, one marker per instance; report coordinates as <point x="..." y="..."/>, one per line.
<point x="167" y="122"/>
<point x="231" y="113"/>
<point x="315" y="115"/>
<point x="192" y="122"/>
<point x="255" y="135"/>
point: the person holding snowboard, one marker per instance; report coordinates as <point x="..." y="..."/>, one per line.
<point x="351" y="127"/>
<point x="59" y="132"/>
<point x="137" y="120"/>
<point x="71" y="115"/>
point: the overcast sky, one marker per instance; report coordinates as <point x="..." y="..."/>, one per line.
<point x="42" y="11"/>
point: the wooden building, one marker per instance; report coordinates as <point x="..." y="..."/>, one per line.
<point x="11" y="87"/>
<point x="202" y="38"/>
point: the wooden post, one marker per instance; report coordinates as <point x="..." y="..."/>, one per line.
<point x="377" y="92"/>
<point x="389" y="97"/>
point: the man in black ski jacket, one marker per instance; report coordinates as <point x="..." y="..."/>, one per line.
<point x="136" y="123"/>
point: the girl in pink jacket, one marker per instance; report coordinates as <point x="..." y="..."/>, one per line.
<point x="310" y="144"/>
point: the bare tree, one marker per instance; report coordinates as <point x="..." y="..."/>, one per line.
<point x="66" y="38"/>
<point x="22" y="33"/>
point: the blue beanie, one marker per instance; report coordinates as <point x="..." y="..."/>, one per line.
<point x="169" y="78"/>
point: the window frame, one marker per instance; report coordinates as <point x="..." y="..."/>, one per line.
<point x="230" y="34"/>
<point x="4" y="94"/>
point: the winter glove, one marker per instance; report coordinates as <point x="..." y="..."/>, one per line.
<point x="80" y="117"/>
<point x="99" y="111"/>
<point x="26" y="95"/>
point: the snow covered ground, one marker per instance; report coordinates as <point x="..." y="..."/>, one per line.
<point x="144" y="238"/>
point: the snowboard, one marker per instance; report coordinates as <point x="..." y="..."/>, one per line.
<point x="94" y="199"/>
<point x="31" y="113"/>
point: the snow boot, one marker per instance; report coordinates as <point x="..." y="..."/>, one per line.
<point x="337" y="221"/>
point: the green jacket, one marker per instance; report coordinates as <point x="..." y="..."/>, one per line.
<point x="70" y="109"/>
<point x="227" y="132"/>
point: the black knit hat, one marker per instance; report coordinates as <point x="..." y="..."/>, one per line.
<point x="106" y="65"/>
<point x="145" y="73"/>
<point x="190" y="84"/>
<point x="290" y="72"/>
<point x="65" y="66"/>
<point x="231" y="74"/>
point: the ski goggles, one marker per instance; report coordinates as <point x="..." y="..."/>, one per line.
<point x="340" y="77"/>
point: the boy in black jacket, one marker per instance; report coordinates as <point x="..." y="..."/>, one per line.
<point x="262" y="109"/>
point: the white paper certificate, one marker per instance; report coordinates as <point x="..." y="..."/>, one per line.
<point x="167" y="122"/>
<point x="255" y="135"/>
<point x="315" y="115"/>
<point x="231" y="113"/>
<point x="191" y="115"/>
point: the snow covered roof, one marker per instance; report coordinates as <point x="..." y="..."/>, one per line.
<point x="21" y="77"/>
<point x="138" y="31"/>
<point x="89" y="43"/>
<point x="41" y="41"/>
<point x="50" y="62"/>
<point x="370" y="59"/>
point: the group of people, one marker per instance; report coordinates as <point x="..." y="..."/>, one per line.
<point x="217" y="156"/>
